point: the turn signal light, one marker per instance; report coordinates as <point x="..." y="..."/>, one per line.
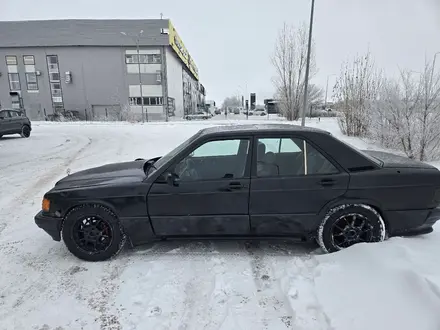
<point x="45" y="205"/>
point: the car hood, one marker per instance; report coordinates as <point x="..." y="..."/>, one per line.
<point x="392" y="160"/>
<point x="117" y="173"/>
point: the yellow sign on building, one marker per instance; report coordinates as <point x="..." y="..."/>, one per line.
<point x="178" y="46"/>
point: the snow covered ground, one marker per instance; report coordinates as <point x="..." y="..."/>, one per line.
<point x="191" y="285"/>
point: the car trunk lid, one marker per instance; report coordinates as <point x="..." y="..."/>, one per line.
<point x="392" y="160"/>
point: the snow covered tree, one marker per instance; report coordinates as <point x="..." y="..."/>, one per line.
<point x="289" y="60"/>
<point x="356" y="92"/>
<point x="407" y="115"/>
<point x="232" y="101"/>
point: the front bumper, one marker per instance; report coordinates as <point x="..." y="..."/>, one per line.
<point x="50" y="225"/>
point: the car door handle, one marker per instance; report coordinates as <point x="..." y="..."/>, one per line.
<point x="232" y="186"/>
<point x="327" y="182"/>
<point x="235" y="185"/>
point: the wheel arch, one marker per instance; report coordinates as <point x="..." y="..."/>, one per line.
<point x="342" y="201"/>
<point x="101" y="203"/>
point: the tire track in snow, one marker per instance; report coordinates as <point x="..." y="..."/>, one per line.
<point x="100" y="300"/>
<point x="272" y="301"/>
<point x="26" y="195"/>
<point x="300" y="288"/>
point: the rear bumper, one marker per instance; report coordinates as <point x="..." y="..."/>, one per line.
<point x="419" y="222"/>
<point x="50" y="225"/>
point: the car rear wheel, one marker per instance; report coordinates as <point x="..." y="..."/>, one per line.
<point x="347" y="225"/>
<point x="25" y="131"/>
<point x="93" y="233"/>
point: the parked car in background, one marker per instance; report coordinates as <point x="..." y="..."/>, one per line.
<point x="247" y="181"/>
<point x="199" y="115"/>
<point x="260" y="112"/>
<point x="14" y="122"/>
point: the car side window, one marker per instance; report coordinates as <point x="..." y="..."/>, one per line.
<point x="218" y="159"/>
<point x="290" y="157"/>
<point x="4" y="114"/>
<point x="317" y="163"/>
<point x="13" y="114"/>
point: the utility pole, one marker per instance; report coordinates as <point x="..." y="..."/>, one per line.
<point x="306" y="82"/>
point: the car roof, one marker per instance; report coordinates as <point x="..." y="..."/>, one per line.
<point x="259" y="128"/>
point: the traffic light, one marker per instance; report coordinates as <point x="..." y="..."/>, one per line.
<point x="253" y="101"/>
<point x="247" y="104"/>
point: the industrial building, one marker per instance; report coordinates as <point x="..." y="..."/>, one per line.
<point x="98" y="69"/>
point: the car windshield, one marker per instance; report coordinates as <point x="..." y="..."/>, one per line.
<point x="170" y="155"/>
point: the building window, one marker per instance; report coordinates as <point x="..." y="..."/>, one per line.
<point x="14" y="82"/>
<point x="55" y="82"/>
<point x="14" y="78"/>
<point x="31" y="76"/>
<point x="11" y="60"/>
<point x="31" y="81"/>
<point x="152" y="100"/>
<point x="28" y="60"/>
<point x="54" y="76"/>
<point x="143" y="59"/>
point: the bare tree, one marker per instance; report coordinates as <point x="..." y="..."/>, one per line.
<point x="393" y="117"/>
<point x="232" y="101"/>
<point x="407" y="114"/>
<point x="289" y="60"/>
<point x="356" y="92"/>
<point x="429" y="115"/>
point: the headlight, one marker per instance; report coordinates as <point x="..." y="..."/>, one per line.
<point x="45" y="205"/>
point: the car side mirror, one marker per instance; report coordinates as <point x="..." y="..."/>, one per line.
<point x="173" y="179"/>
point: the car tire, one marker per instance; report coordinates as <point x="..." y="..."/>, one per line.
<point x="83" y="223"/>
<point x="25" y="131"/>
<point x="346" y="225"/>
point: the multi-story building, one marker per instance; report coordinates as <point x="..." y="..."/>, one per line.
<point x="113" y="69"/>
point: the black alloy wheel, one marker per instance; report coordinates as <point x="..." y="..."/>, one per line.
<point x="25" y="131"/>
<point x="347" y="225"/>
<point x="92" y="234"/>
<point x="350" y="229"/>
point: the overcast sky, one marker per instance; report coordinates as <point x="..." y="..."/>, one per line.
<point x="232" y="41"/>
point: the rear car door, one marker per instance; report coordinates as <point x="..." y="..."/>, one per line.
<point x="205" y="192"/>
<point x="292" y="180"/>
<point x="5" y="122"/>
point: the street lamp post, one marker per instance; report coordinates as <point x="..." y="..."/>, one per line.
<point x="326" y="91"/>
<point x="137" y="40"/>
<point x="245" y="93"/>
<point x="306" y="80"/>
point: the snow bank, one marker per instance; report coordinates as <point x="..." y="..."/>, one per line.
<point x="392" y="285"/>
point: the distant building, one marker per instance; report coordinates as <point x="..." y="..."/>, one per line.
<point x="92" y="67"/>
<point x="271" y="105"/>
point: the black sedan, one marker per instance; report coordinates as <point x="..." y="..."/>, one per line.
<point x="248" y="181"/>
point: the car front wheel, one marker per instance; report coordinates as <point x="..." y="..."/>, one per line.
<point x="25" y="131"/>
<point x="93" y="233"/>
<point x="346" y="225"/>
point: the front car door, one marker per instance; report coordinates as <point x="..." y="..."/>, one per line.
<point x="205" y="192"/>
<point x="291" y="182"/>
<point x="5" y="122"/>
<point x="16" y="120"/>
